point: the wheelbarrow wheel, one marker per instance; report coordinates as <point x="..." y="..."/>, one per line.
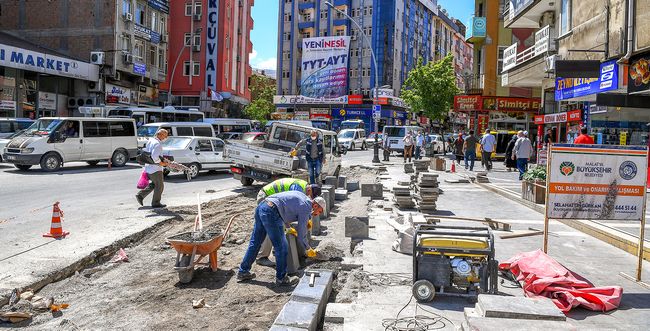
<point x="185" y="275"/>
<point x="424" y="291"/>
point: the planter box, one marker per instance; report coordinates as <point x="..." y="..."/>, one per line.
<point x="532" y="191"/>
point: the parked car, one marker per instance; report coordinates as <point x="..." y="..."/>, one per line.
<point x="370" y="141"/>
<point x="254" y="137"/>
<point x="52" y="141"/>
<point x="185" y="129"/>
<point x="352" y="138"/>
<point x="435" y="143"/>
<point x="230" y="135"/>
<point x="196" y="153"/>
<point x="5" y="141"/>
<point x="222" y="125"/>
<point x="9" y="126"/>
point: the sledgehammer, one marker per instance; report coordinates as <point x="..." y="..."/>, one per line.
<point x="312" y="276"/>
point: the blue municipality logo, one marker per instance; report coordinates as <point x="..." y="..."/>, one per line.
<point x="627" y="170"/>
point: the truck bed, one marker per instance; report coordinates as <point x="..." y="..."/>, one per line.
<point x="260" y="158"/>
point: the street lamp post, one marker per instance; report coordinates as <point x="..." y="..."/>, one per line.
<point x="375" y="158"/>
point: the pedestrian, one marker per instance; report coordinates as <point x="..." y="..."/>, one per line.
<point x="408" y="146"/>
<point x="282" y="185"/>
<point x="419" y="143"/>
<point x="548" y="137"/>
<point x="584" y="138"/>
<point x="458" y="148"/>
<point x="522" y="151"/>
<point x="313" y="154"/>
<point x="488" y="144"/>
<point x="386" y="146"/>
<point x="272" y="217"/>
<point x="511" y="163"/>
<point x="154" y="171"/>
<point x="469" y="148"/>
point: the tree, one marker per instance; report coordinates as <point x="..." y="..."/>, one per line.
<point x="430" y="88"/>
<point x="262" y="91"/>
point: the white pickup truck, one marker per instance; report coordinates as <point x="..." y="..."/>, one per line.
<point x="271" y="160"/>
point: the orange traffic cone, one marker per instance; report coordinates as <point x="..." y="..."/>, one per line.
<point x="56" y="230"/>
<point x="453" y="166"/>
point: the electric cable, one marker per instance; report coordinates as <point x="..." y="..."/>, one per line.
<point x="433" y="321"/>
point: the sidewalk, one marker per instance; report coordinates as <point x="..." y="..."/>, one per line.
<point x="595" y="260"/>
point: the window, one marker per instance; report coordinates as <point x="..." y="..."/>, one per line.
<point x="121" y="129"/>
<point x="139" y="13"/>
<point x="284" y="134"/>
<point x="565" y="16"/>
<point x="94" y="129"/>
<point x="323" y="33"/>
<point x="287" y="36"/>
<point x="339" y="32"/>
<point x="152" y="55"/>
<point x="138" y="50"/>
<point x="203" y="145"/>
<point x="126" y="43"/>
<point x="163" y="25"/>
<point x="188" y="9"/>
<point x="306" y="35"/>
<point x="161" y="59"/>
<point x="285" y="74"/>
<point x="126" y="6"/>
<point x="197" y="40"/>
<point x="323" y="14"/>
<point x="154" y="21"/>
<point x="188" y="39"/>
<point x="218" y="144"/>
<point x="198" y="8"/>
<point x="203" y="131"/>
<point x="287" y="17"/>
<point x="184" y="131"/>
<point x="186" y="68"/>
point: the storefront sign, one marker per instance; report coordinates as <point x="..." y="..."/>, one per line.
<point x="384" y="92"/>
<point x="623" y="138"/>
<point x="586" y="115"/>
<point x="355" y="99"/>
<point x="539" y="119"/>
<point x="142" y="32"/>
<point x="351" y="113"/>
<point x="555" y="118"/>
<point x="503" y="104"/>
<point x="542" y="157"/>
<point x="324" y="66"/>
<point x="7" y="105"/>
<point x="147" y="95"/>
<point x="139" y="68"/>
<point x="301" y="115"/>
<point x="542" y="40"/>
<point x="518" y="104"/>
<point x="596" y="182"/>
<point x="118" y="94"/>
<point x="467" y="102"/>
<point x="479" y="25"/>
<point x="301" y="99"/>
<point x="20" y="58"/>
<point x="46" y="101"/>
<point x="320" y="111"/>
<point x="510" y="57"/>
<point x="567" y="88"/>
<point x="483" y="121"/>
<point x="211" y="45"/>
<point x="397" y="102"/>
<point x="639" y="74"/>
<point x="574" y="115"/>
<point x="161" y="5"/>
<point x="396" y="114"/>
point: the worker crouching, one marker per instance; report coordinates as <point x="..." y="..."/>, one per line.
<point x="272" y="216"/>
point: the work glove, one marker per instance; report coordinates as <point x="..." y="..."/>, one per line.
<point x="293" y="152"/>
<point x="291" y="231"/>
<point x="311" y="252"/>
<point x="309" y="224"/>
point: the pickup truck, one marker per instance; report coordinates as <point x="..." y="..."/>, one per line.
<point x="272" y="159"/>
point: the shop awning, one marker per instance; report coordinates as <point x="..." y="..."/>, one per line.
<point x="623" y="100"/>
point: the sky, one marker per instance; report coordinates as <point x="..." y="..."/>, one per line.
<point x="265" y="32"/>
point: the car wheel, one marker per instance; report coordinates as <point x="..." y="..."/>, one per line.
<point x="424" y="291"/>
<point x="22" y="167"/>
<point x="352" y="146"/>
<point x="364" y="146"/>
<point x="194" y="169"/>
<point x="119" y="158"/>
<point x="246" y="181"/>
<point x="51" y="162"/>
<point x="92" y="163"/>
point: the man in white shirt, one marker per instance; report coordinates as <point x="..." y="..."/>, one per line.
<point x="488" y="145"/>
<point x="419" y="142"/>
<point x="154" y="171"/>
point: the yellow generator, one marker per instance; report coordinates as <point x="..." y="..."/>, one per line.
<point x="454" y="261"/>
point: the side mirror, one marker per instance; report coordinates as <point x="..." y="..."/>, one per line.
<point x="190" y="147"/>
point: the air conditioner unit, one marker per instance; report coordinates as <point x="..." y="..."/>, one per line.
<point x="97" y="58"/>
<point x="128" y="17"/>
<point x="196" y="48"/>
<point x="197" y="17"/>
<point x="164" y="38"/>
<point x="96" y="86"/>
<point x="128" y="58"/>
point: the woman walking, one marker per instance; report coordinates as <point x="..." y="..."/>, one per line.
<point x="510" y="163"/>
<point x="458" y="148"/>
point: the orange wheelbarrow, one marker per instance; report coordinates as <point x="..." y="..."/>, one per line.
<point x="187" y="251"/>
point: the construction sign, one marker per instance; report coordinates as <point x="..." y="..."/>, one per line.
<point x="596" y="182"/>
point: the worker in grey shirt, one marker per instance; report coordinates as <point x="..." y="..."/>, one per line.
<point x="522" y="152"/>
<point x="272" y="217"/>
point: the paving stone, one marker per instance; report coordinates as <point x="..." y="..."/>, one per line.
<point x="319" y="293"/>
<point x="342" y="182"/>
<point x="293" y="261"/>
<point x="353" y="185"/>
<point x="331" y="180"/>
<point x="341" y="195"/>
<point x="356" y="226"/>
<point x="518" y="308"/>
<point x="297" y="314"/>
<point x="332" y="195"/>
<point x="285" y="328"/>
<point x="315" y="225"/>
<point x="326" y="195"/>
<point x="372" y="190"/>
<point x="486" y="323"/>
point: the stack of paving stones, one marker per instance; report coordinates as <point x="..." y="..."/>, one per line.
<point x="403" y="197"/>
<point x="428" y="192"/>
<point x="408" y="168"/>
<point x="481" y="177"/>
<point x="421" y="165"/>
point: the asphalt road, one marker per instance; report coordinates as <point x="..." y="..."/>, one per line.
<point x="99" y="207"/>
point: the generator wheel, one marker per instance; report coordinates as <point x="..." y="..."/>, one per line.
<point x="424" y="291"/>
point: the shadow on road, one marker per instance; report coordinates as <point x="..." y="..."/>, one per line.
<point x="80" y="169"/>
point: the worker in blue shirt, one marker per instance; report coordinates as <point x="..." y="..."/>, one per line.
<point x="272" y="216"/>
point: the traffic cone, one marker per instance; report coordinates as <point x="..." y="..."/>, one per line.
<point x="453" y="166"/>
<point x="56" y="230"/>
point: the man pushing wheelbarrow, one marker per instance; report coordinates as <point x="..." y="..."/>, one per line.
<point x="272" y="216"/>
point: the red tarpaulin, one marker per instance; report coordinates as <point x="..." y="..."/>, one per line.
<point x="543" y="276"/>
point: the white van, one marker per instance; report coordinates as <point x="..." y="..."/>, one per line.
<point x="394" y="135"/>
<point x="184" y="129"/>
<point x="352" y="138"/>
<point x="52" y="141"/>
<point x="223" y="125"/>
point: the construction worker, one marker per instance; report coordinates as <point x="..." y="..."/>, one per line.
<point x="273" y="216"/>
<point x="281" y="185"/>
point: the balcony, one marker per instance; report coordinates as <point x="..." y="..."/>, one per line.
<point x="527" y="13"/>
<point x="529" y="67"/>
<point x="341" y="3"/>
<point x="306" y="25"/>
<point x="340" y="22"/>
<point x="306" y="5"/>
<point x="474" y="83"/>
